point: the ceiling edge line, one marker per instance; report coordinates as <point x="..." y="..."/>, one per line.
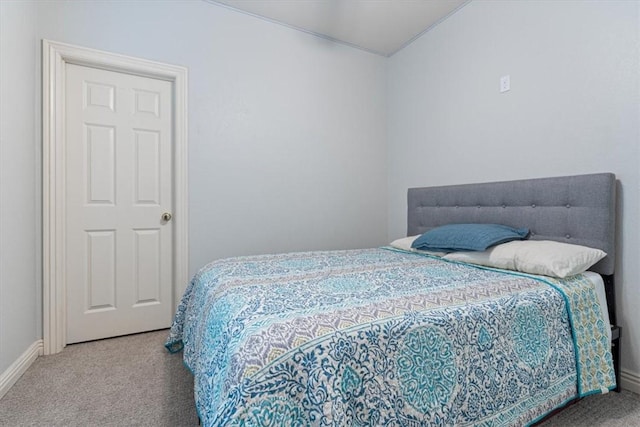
<point x="293" y="27"/>
<point x="429" y="28"/>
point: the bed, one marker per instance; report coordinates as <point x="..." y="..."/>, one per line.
<point x="392" y="336"/>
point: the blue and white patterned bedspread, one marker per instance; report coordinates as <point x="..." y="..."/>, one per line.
<point x="381" y="337"/>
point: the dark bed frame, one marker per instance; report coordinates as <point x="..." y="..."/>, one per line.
<point x="578" y="209"/>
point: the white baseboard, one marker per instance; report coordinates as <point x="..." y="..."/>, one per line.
<point x="630" y="381"/>
<point x="9" y="377"/>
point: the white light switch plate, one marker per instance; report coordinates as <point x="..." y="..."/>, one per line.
<point x="505" y="83"/>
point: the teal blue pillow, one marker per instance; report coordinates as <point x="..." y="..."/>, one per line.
<point x="467" y="237"/>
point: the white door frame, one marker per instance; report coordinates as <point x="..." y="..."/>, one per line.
<point x="54" y="58"/>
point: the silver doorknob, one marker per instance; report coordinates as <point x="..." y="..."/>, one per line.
<point x="166" y="216"/>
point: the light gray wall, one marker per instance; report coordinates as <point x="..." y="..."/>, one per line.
<point x="573" y="108"/>
<point x="286" y="131"/>
<point x="20" y="281"/>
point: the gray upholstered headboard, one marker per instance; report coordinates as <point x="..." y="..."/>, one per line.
<point x="574" y="209"/>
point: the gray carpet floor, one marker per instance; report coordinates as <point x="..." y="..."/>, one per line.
<point x="125" y="381"/>
<point x="134" y="381"/>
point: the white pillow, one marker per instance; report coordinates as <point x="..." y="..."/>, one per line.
<point x="488" y="258"/>
<point x="405" y="244"/>
<point x="543" y="257"/>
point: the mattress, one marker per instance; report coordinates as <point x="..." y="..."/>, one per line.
<point x="598" y="284"/>
<point x="384" y="337"/>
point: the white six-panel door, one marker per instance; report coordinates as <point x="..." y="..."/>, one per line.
<point x="118" y="187"/>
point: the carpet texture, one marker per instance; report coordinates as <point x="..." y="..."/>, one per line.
<point x="134" y="381"/>
<point x="125" y="381"/>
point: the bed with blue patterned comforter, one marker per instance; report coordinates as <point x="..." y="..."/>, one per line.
<point x="381" y="337"/>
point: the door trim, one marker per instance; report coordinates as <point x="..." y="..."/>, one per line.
<point x="55" y="56"/>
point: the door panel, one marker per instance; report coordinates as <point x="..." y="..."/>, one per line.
<point x="118" y="166"/>
<point x="147" y="172"/>
<point x="100" y="283"/>
<point x="100" y="159"/>
<point x="147" y="266"/>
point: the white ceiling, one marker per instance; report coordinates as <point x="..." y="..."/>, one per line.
<point x="379" y="26"/>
